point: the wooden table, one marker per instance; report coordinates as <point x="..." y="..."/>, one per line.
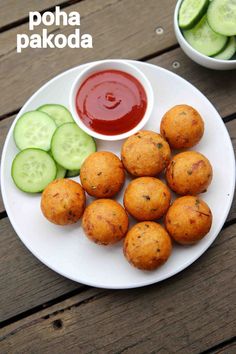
<point x="42" y="312"/>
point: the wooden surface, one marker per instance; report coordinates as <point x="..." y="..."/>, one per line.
<point x="181" y="313"/>
<point x="42" y="312"/>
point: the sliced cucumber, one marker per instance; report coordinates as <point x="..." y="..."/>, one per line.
<point x="57" y="112"/>
<point x="71" y="145"/>
<point x="61" y="171"/>
<point x="32" y="170"/>
<point x="72" y="173"/>
<point x="204" y="39"/>
<point x="34" y="130"/>
<point x="221" y="16"/>
<point x="229" y="50"/>
<point x="191" y="11"/>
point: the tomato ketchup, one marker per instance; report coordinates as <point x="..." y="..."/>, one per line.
<point x="111" y="102"/>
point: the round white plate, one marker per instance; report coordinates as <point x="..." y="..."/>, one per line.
<point x="65" y="249"/>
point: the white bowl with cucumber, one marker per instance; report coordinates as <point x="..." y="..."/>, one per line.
<point x="206" y="31"/>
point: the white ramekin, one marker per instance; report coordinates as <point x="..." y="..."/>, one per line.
<point x="121" y="65"/>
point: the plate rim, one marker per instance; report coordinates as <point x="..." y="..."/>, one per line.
<point x="141" y="283"/>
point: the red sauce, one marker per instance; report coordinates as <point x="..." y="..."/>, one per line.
<point x="111" y="102"/>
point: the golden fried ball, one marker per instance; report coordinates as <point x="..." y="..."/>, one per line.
<point x="145" y="154"/>
<point x="105" y="221"/>
<point x="102" y="174"/>
<point x="147" y="198"/>
<point x="188" y="220"/>
<point x="182" y="126"/>
<point x="147" y="245"/>
<point x="63" y="201"/>
<point x="189" y="173"/>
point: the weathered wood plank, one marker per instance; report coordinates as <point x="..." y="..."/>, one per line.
<point x="15" y="10"/>
<point x="188" y="313"/>
<point x="24" y="281"/>
<point x="231" y="126"/>
<point x="120" y="29"/>
<point x="218" y="86"/>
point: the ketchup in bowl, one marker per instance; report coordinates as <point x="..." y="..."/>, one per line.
<point x="111" y="102"/>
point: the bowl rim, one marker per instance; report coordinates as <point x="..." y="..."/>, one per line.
<point x="178" y="30"/>
<point x="128" y="67"/>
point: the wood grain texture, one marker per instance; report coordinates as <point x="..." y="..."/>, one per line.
<point x="24" y="281"/>
<point x="120" y="29"/>
<point x="15" y="10"/>
<point x="218" y="86"/>
<point x="188" y="313"/>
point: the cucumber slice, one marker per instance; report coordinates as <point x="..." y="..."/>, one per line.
<point x="72" y="173"/>
<point x="229" y="50"/>
<point x="221" y="16"/>
<point x="61" y="171"/>
<point x="204" y="39"/>
<point x="57" y="112"/>
<point x="191" y="11"/>
<point x="71" y="145"/>
<point x="34" y="130"/>
<point x="32" y="170"/>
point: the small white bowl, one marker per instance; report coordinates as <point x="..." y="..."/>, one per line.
<point x="121" y="65"/>
<point x="199" y="58"/>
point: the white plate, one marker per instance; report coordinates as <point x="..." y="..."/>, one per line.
<point x="65" y="249"/>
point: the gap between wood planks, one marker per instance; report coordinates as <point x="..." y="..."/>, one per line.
<point x="219" y="346"/>
<point x="23" y="20"/>
<point x="67" y="296"/>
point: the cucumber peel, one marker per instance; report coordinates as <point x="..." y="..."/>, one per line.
<point x="190" y="12"/>
<point x="229" y="50"/>
<point x="72" y="173"/>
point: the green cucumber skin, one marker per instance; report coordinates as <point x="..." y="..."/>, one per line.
<point x="72" y="173"/>
<point x="228" y="52"/>
<point x="61" y="172"/>
<point x="197" y="18"/>
<point x="13" y="172"/>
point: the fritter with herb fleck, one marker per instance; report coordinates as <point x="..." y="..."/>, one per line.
<point x="105" y="221"/>
<point x="63" y="201"/>
<point x="147" y="198"/>
<point x="188" y="220"/>
<point x="189" y="173"/>
<point x="145" y="153"/>
<point x="147" y="245"/>
<point x="102" y="174"/>
<point x="182" y="126"/>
